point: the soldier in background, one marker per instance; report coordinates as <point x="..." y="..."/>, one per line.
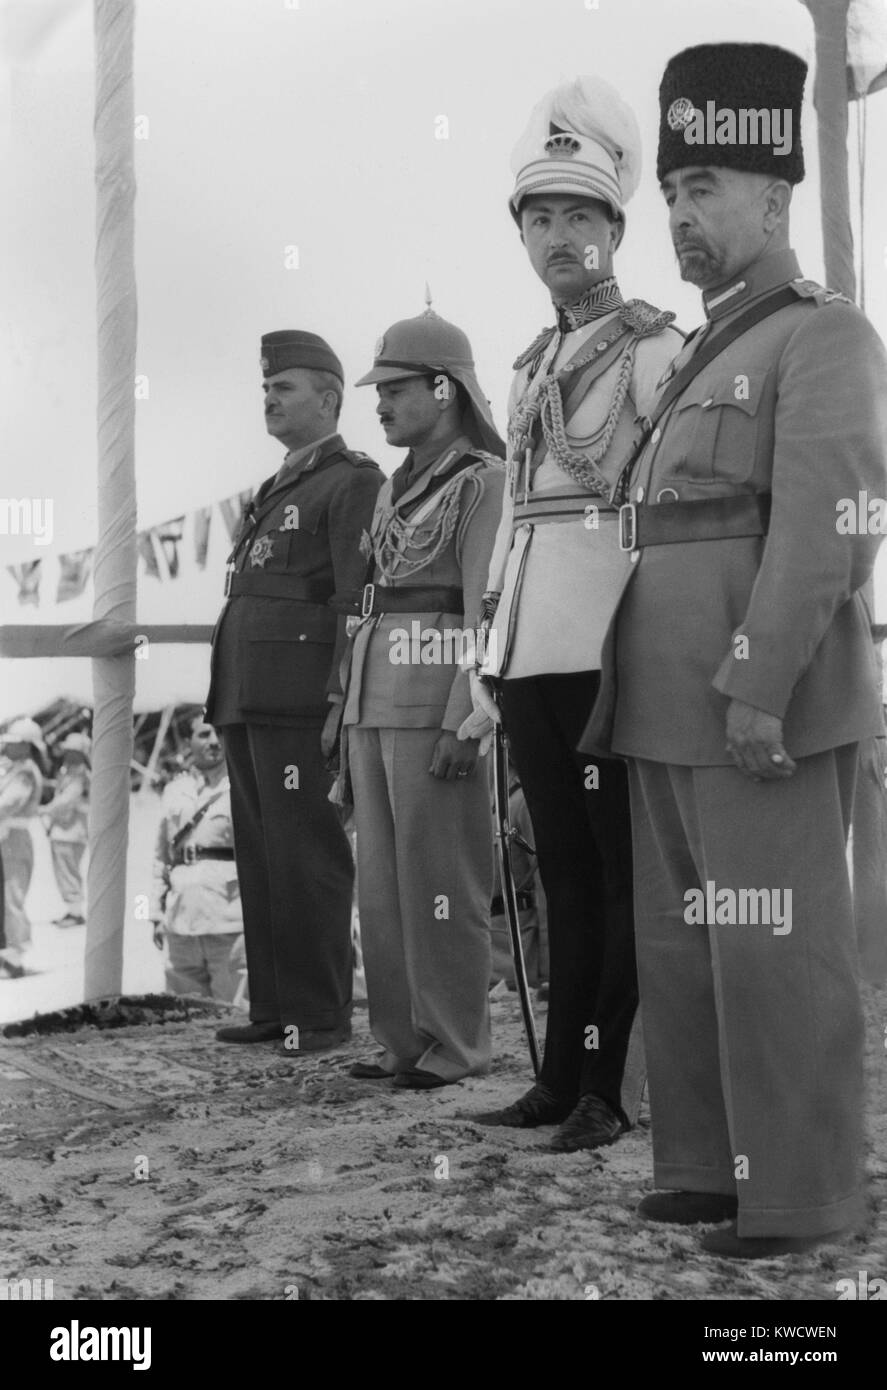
<point x="22" y="768"/>
<point x="195" y="893"/>
<point x="421" y="797"/>
<point x="66" y="818"/>
<point x="275" y="686"/>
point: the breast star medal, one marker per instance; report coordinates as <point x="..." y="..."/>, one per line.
<point x="262" y="550"/>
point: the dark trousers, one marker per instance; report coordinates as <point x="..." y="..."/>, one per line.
<point x="296" y="876"/>
<point x="583" y="841"/>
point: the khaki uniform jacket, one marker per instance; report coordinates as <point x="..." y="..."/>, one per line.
<point x="796" y="407"/>
<point x="412" y="693"/>
<point x="275" y="659"/>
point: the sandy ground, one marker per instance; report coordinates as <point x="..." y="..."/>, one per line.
<point x="149" y="1162"/>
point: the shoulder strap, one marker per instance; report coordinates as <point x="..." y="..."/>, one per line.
<point x="707" y="353"/>
<point x="716" y="345"/>
<point x="201" y="811"/>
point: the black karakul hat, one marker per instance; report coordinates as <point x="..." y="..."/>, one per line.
<point x="290" y="347"/>
<point x="734" y="78"/>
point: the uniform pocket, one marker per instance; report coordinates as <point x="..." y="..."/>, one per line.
<point x="713" y="433"/>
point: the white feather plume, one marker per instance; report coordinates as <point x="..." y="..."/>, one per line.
<point x="591" y="107"/>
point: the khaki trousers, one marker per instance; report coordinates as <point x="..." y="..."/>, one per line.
<point x="425" y="880"/>
<point x="754" y="1040"/>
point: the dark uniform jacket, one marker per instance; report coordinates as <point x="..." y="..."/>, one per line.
<point x="796" y="407"/>
<point x="277" y="644"/>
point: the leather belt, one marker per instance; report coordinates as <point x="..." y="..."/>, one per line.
<point x="406" y="598"/>
<point x="278" y="586"/>
<point x="566" y="508"/>
<point x="191" y="853"/>
<point x="710" y="519"/>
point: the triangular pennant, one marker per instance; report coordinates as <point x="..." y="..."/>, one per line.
<point x="75" y="569"/>
<point x="169" y="534"/>
<point x="232" y="509"/>
<point x="202" y="521"/>
<point x="27" y="576"/>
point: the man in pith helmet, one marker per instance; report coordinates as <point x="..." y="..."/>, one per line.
<point x="554" y="579"/>
<point x="421" y="796"/>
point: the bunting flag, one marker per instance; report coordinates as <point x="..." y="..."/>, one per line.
<point x="169" y="534"/>
<point x="232" y="509"/>
<point x="202" y="520"/>
<point x="145" y="544"/>
<point x="866" y="48"/>
<point x="159" y="547"/>
<point x="75" y="571"/>
<point x="27" y="577"/>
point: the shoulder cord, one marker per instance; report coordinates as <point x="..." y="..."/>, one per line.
<point x="545" y="403"/>
<point x="399" y="536"/>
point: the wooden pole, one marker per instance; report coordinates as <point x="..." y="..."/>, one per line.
<point x="115" y="557"/>
<point x="830" y="99"/>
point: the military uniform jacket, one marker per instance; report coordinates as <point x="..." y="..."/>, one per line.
<point x="797" y="407"/>
<point x="390" y="684"/>
<point x="276" y="656"/>
<point x="559" y="581"/>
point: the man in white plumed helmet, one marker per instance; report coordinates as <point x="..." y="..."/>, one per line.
<point x="554" y="580"/>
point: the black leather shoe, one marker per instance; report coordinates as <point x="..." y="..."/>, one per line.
<point x="250" y="1032"/>
<point x="316" y="1039"/>
<point x="592" y="1124"/>
<point x="538" y="1107"/>
<point x="369" y="1071"/>
<point x="686" y="1208"/>
<point x="415" y="1079"/>
<point x="731" y="1246"/>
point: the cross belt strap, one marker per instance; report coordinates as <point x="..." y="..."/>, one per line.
<point x="189" y="854"/>
<point x="711" y="519"/>
<point x="408" y="598"/>
<point x="279" y="586"/>
<point x="691" y="368"/>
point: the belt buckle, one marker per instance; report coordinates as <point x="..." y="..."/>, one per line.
<point x="189" y="854"/>
<point x="628" y="526"/>
<point x="366" y="603"/>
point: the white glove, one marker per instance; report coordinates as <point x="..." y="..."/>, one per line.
<point x="483" y="716"/>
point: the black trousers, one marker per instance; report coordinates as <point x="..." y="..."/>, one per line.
<point x="583" y="841"/>
<point x="296" y="876"/>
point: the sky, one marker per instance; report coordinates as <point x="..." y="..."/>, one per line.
<point x="271" y="125"/>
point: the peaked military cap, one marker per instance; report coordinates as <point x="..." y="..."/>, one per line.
<point x="290" y="347"/>
<point x="712" y="100"/>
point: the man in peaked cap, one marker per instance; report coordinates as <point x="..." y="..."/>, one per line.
<point x="743" y="679"/>
<point x="554" y="578"/>
<point x="275" y="684"/>
<point x="421" y="798"/>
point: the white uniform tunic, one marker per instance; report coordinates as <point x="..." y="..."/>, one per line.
<point x="560" y="580"/>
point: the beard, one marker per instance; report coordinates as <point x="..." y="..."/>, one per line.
<point x="699" y="266"/>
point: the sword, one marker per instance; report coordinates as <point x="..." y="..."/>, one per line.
<point x="505" y="833"/>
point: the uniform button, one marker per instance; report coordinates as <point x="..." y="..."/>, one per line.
<point x="640" y="496"/>
<point x="656" y="435"/>
<point x="302" y="637"/>
<point x="706" y="404"/>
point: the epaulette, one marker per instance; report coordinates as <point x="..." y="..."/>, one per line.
<point x="808" y="289"/>
<point x="645" y="319"/>
<point x="487" y="459"/>
<point x="359" y="459"/>
<point x="538" y="345"/>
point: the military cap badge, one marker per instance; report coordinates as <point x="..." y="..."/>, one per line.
<point x="680" y="113"/>
<point x="559" y="144"/>
<point x="380" y="346"/>
<point x="264" y="364"/>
